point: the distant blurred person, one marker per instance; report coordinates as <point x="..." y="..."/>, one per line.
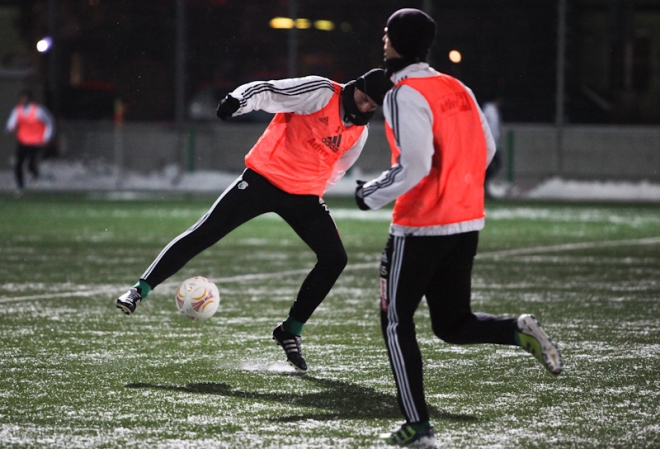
<point x="34" y="128"/>
<point x="316" y="135"/>
<point x="440" y="146"/>
<point x="491" y="110"/>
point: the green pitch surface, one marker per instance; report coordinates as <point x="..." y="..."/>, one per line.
<point x="76" y="373"/>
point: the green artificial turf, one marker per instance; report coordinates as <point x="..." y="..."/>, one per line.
<point x="76" y="373"/>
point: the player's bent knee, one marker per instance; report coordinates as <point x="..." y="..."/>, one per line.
<point x="335" y="261"/>
<point x="447" y="334"/>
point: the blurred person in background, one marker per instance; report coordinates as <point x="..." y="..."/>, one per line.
<point x="34" y="128"/>
<point x="491" y="109"/>
<point x="316" y="135"/>
<point x="441" y="146"/>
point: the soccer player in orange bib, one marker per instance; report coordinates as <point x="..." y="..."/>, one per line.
<point x="34" y="128"/>
<point x="317" y="133"/>
<point x="441" y="145"/>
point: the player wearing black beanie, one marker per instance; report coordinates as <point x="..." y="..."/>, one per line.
<point x="441" y="145"/>
<point x="374" y="83"/>
<point x="411" y="33"/>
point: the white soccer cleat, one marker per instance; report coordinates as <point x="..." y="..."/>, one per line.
<point x="534" y="340"/>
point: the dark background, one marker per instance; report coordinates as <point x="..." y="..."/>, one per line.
<point x="125" y="49"/>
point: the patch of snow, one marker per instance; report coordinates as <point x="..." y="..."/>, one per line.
<point x="557" y="188"/>
<point x="61" y="175"/>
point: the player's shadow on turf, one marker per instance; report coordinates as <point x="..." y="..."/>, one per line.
<point x="342" y="400"/>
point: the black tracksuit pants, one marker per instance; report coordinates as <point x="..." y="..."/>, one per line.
<point x="249" y="196"/>
<point x="23" y="153"/>
<point x="439" y="268"/>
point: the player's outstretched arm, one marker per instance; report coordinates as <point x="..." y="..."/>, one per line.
<point x="304" y="95"/>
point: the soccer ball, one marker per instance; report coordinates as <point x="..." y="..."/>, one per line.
<point x="197" y="298"/>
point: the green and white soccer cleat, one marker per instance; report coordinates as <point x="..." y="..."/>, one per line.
<point x="534" y="340"/>
<point x="409" y="437"/>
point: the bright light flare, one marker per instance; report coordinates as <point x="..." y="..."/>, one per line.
<point x="45" y="44"/>
<point x="455" y="56"/>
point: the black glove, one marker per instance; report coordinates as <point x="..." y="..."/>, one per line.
<point x="359" y="196"/>
<point x="227" y="107"/>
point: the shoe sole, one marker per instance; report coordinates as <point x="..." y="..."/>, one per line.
<point x="124" y="309"/>
<point x="547" y="352"/>
<point x="298" y="370"/>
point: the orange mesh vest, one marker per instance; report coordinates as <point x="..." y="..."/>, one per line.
<point x="297" y="152"/>
<point x="30" y="130"/>
<point x="453" y="190"/>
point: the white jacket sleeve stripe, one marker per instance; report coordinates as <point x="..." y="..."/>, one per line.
<point x="390" y="177"/>
<point x="387" y="181"/>
<point x="290" y="91"/>
<point x="395" y="113"/>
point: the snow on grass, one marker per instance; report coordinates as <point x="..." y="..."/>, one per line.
<point x="78" y="374"/>
<point x="568" y="213"/>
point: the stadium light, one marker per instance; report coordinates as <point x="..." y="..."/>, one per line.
<point x="303" y="24"/>
<point x="455" y="56"/>
<point x="281" y="23"/>
<point x="286" y="23"/>
<point x="45" y="44"/>
<point x="324" y="25"/>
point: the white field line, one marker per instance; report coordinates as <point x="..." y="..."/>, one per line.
<point x="567" y="247"/>
<point x="360" y="266"/>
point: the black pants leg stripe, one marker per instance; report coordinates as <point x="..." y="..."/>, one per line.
<point x="392" y="337"/>
<point x="307" y="215"/>
<point x="190" y="230"/>
<point x="439" y="269"/>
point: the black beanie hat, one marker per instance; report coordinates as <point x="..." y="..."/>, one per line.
<point x="411" y="33"/>
<point x="375" y="84"/>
